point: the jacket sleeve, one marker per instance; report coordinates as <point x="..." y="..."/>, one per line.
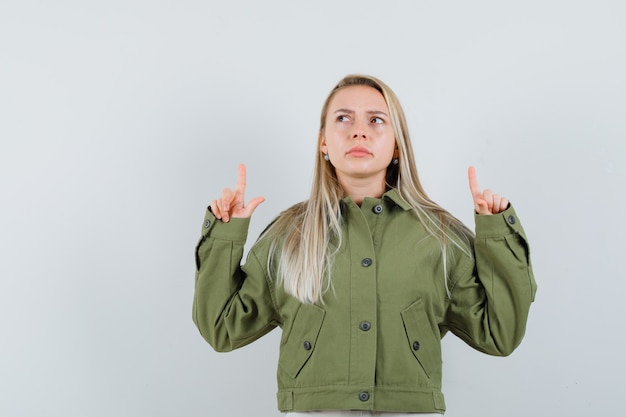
<point x="232" y="304"/>
<point x="491" y="297"/>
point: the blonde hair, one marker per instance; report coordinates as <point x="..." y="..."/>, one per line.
<point x="305" y="237"/>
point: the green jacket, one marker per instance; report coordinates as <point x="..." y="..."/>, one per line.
<point x="375" y="343"/>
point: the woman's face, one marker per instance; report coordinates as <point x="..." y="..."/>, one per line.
<point x="358" y="136"/>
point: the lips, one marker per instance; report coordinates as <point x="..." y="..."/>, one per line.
<point x="358" y="151"/>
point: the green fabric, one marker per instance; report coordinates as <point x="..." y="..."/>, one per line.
<point x="328" y="359"/>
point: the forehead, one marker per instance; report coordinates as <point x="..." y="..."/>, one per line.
<point x="358" y="97"/>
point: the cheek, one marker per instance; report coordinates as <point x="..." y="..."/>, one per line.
<point x="337" y="131"/>
<point x="390" y="144"/>
<point x="332" y="138"/>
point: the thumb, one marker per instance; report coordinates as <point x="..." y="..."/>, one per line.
<point x="252" y="205"/>
<point x="481" y="206"/>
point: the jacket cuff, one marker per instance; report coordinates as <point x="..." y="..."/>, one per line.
<point x="235" y="230"/>
<point x="500" y="224"/>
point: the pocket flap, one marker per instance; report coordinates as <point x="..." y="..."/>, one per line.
<point x="299" y="344"/>
<point x="424" y="345"/>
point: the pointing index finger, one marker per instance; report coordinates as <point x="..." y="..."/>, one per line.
<point x="241" y="179"/>
<point x="473" y="182"/>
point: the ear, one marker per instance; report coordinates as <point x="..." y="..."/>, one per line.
<point x="323" y="146"/>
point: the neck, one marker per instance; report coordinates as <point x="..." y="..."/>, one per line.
<point x="360" y="188"/>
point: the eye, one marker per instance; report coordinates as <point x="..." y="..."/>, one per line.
<point x="377" y="120"/>
<point x="343" y="118"/>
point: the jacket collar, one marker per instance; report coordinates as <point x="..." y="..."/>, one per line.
<point x="391" y="196"/>
<point x="394" y="196"/>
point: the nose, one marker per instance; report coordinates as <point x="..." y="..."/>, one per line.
<point x="358" y="131"/>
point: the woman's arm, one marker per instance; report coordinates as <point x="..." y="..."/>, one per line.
<point x="491" y="297"/>
<point x="232" y="304"/>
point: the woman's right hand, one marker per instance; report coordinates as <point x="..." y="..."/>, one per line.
<point x="231" y="204"/>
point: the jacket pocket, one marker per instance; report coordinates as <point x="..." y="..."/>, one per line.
<point x="518" y="247"/>
<point x="421" y="340"/>
<point x="299" y="343"/>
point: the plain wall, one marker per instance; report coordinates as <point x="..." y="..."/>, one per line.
<point x="121" y="120"/>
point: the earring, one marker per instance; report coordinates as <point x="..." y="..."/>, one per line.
<point x="395" y="161"/>
<point x="326" y="157"/>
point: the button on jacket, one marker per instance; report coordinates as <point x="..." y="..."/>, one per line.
<point x="375" y="342"/>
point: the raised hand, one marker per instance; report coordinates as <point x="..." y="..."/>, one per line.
<point x="485" y="202"/>
<point x="231" y="204"/>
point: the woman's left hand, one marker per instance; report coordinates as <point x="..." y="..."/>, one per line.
<point x="485" y="202"/>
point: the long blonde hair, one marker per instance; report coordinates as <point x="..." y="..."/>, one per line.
<point x="305" y="238"/>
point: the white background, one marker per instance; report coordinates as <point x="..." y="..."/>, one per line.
<point x="121" y="120"/>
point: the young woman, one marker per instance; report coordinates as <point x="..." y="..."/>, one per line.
<point x="367" y="275"/>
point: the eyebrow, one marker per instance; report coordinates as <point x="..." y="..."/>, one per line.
<point x="368" y="112"/>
